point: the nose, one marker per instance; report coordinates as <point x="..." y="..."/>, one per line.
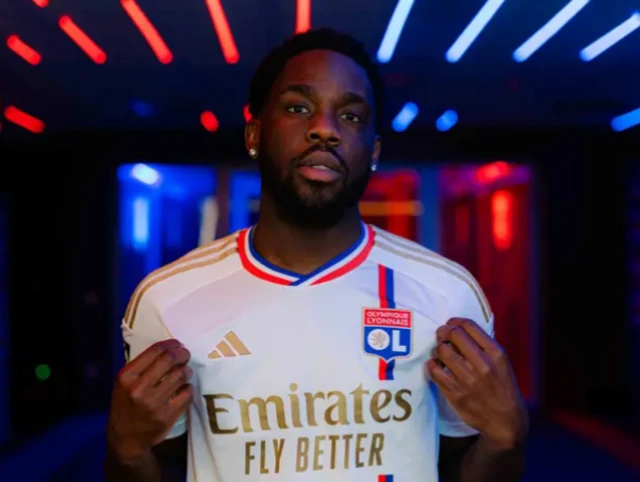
<point x="323" y="129"/>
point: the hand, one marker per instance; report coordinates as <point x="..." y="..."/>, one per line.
<point x="479" y="383"/>
<point x="150" y="393"/>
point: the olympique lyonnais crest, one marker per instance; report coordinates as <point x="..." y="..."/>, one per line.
<point x="386" y="333"/>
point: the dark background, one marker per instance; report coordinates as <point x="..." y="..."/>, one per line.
<point x="554" y="112"/>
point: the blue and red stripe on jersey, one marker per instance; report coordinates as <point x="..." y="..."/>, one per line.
<point x="387" y="300"/>
<point x="342" y="264"/>
<point x="385" y="478"/>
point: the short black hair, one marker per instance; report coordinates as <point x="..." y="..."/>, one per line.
<point x="318" y="39"/>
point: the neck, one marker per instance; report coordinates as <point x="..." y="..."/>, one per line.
<point x="302" y="250"/>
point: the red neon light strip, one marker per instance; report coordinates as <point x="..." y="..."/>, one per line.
<point x="23" y="50"/>
<point x="225" y="37"/>
<point x="303" y="16"/>
<point x="41" y="3"/>
<point x="209" y="121"/>
<point x="82" y="40"/>
<point x="501" y="210"/>
<point x="491" y="172"/>
<point x="148" y="31"/>
<point x="24" y="120"/>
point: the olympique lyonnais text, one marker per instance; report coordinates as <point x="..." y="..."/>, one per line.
<point x="228" y="415"/>
<point x="397" y="318"/>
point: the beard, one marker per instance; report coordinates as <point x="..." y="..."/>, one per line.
<point x="320" y="209"/>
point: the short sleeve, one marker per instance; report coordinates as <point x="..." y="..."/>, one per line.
<point x="470" y="303"/>
<point x="141" y="328"/>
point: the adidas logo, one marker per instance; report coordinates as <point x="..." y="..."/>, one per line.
<point x="230" y="346"/>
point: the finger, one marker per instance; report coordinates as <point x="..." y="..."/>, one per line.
<point x="441" y="378"/>
<point x="181" y="400"/>
<point x="163" y="365"/>
<point x="464" y="344"/>
<point x="143" y="361"/>
<point x="478" y="335"/>
<point x="443" y="335"/>
<point x="455" y="363"/>
<point x="172" y="382"/>
<point x="174" y="408"/>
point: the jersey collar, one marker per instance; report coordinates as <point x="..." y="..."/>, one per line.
<point x="338" y="266"/>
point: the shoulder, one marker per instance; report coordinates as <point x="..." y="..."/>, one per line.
<point x="177" y="278"/>
<point x="449" y="278"/>
<point x="408" y="256"/>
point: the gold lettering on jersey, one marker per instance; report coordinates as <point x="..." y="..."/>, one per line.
<point x="302" y="455"/>
<point x="340" y="407"/>
<point x="311" y="409"/>
<point x="295" y="406"/>
<point x="315" y="454"/>
<point x="319" y="452"/>
<point x="377" y="444"/>
<point x="263" y="457"/>
<point x="213" y="411"/>
<point x="347" y="451"/>
<point x="248" y="456"/>
<point x="359" y="448"/>
<point x="347" y="443"/>
<point x="263" y="416"/>
<point x="403" y="404"/>
<point x="377" y="405"/>
<point x="334" y="440"/>
<point x="358" y="393"/>
<point x="278" y="446"/>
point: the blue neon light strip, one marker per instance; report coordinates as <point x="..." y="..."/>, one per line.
<point x="551" y="28"/>
<point x="394" y="29"/>
<point x="475" y="28"/>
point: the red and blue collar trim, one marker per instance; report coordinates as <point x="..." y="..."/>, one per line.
<point x="338" y="266"/>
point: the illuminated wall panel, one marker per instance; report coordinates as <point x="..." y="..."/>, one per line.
<point x="4" y="326"/>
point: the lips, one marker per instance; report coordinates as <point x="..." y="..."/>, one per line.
<point x="321" y="166"/>
<point x="322" y="159"/>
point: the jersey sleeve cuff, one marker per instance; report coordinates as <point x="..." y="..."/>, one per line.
<point x="180" y="428"/>
<point x="456" y="429"/>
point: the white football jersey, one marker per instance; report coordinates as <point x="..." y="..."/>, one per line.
<point x="317" y="377"/>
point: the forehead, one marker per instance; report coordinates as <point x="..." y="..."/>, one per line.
<point x="328" y="72"/>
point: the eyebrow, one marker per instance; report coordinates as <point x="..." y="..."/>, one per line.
<point x="310" y="92"/>
<point x="303" y="89"/>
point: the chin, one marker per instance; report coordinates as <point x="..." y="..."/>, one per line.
<point x="319" y="191"/>
<point x="316" y="218"/>
<point x="313" y="205"/>
<point x="319" y="203"/>
<point x="315" y="211"/>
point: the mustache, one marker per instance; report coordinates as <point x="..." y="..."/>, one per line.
<point x="322" y="148"/>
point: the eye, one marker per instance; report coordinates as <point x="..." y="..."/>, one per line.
<point x="351" y="117"/>
<point x="297" y="109"/>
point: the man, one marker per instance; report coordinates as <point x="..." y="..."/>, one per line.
<point x="320" y="348"/>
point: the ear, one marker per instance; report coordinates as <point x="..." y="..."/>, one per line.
<point x="252" y="135"/>
<point x="375" y="157"/>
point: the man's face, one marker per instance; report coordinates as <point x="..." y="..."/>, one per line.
<point x="316" y="138"/>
